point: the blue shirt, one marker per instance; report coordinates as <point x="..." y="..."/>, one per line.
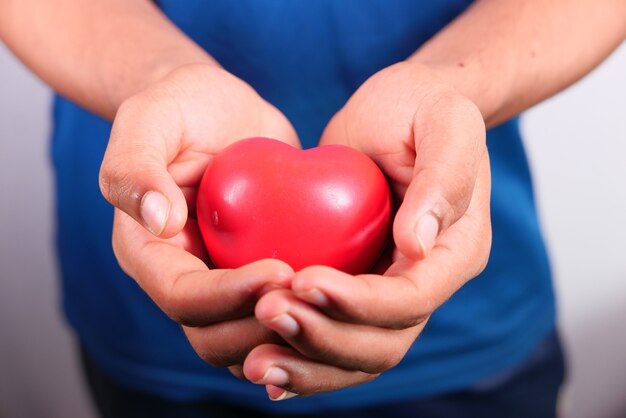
<point x="307" y="58"/>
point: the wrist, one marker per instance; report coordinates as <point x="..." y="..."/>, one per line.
<point x="488" y="92"/>
<point x="154" y="70"/>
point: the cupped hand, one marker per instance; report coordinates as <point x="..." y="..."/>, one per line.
<point x="161" y="142"/>
<point x="344" y="330"/>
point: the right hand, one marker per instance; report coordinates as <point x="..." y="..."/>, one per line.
<point x="162" y="140"/>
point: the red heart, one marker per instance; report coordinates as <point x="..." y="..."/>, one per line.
<point x="261" y="198"/>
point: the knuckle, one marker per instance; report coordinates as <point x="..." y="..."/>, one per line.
<point x="378" y="367"/>
<point x="449" y="212"/>
<point x="178" y="307"/>
<point x="237" y="371"/>
<point x="169" y="301"/>
<point x="216" y="357"/>
<point x="216" y="360"/>
<point x="131" y="106"/>
<point x="189" y="321"/>
<point x="452" y="191"/>
<point x="396" y="354"/>
<point x="210" y="348"/>
<point x="415" y="319"/>
<point x="386" y="362"/>
<point x="484" y="253"/>
<point x="321" y="351"/>
<point x="482" y="266"/>
<point x="454" y="196"/>
<point x="119" y="245"/>
<point x="418" y="305"/>
<point x="104" y="181"/>
<point x="172" y="306"/>
<point x="116" y="184"/>
<point x="452" y="105"/>
<point x="177" y="316"/>
<point x="390" y="362"/>
<point x="118" y="249"/>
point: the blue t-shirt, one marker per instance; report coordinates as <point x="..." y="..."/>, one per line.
<point x="307" y="58"/>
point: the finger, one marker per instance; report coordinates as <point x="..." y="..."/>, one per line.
<point x="190" y="240"/>
<point x="318" y="337"/>
<point x="191" y="196"/>
<point x="227" y="343"/>
<point x="183" y="286"/>
<point x="449" y="141"/>
<point x="237" y="371"/>
<point x="134" y="174"/>
<point x="282" y="368"/>
<point x="409" y="291"/>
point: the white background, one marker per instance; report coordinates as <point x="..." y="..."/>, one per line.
<point x="577" y="146"/>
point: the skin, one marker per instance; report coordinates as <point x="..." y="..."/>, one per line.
<point x="497" y="59"/>
<point x="214" y="307"/>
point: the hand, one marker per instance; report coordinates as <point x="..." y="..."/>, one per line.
<point x="345" y="330"/>
<point x="161" y="142"/>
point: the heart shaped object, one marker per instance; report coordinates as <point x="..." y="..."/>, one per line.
<point x="261" y="198"/>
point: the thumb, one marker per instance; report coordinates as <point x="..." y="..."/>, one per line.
<point x="449" y="148"/>
<point x="134" y="175"/>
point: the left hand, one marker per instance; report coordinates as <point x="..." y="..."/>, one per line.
<point x="344" y="330"/>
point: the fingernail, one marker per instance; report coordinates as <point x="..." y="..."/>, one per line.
<point x="314" y="296"/>
<point x="155" y="209"/>
<point x="275" y="394"/>
<point x="285" y="325"/>
<point x="427" y="229"/>
<point x="275" y="376"/>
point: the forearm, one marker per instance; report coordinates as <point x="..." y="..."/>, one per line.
<point x="97" y="52"/>
<point x="507" y="55"/>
